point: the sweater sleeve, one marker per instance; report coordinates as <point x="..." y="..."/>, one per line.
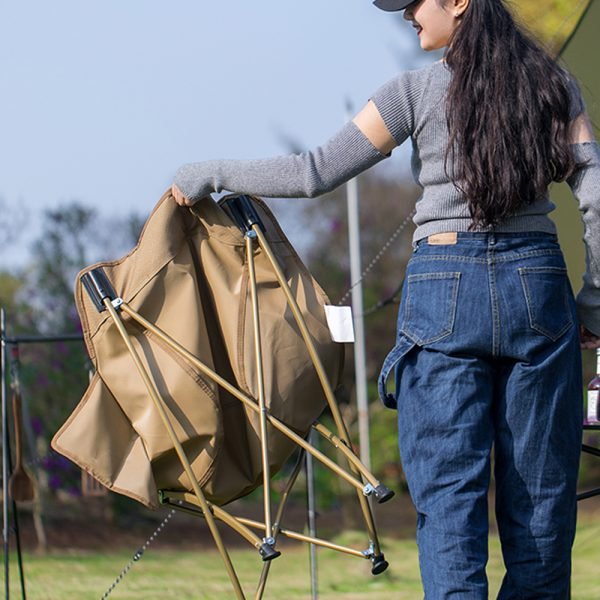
<point x="585" y="185"/>
<point x="304" y="175"/>
<point x="397" y="102"/>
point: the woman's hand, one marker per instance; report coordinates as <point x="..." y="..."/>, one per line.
<point x="589" y="341"/>
<point x="179" y="197"/>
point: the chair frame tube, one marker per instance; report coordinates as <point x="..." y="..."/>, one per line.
<point x="261" y="390"/>
<point x="333" y="407"/>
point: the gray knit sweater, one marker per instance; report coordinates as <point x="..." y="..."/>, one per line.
<point x="411" y="105"/>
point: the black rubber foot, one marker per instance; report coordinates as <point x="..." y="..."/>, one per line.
<point x="268" y="552"/>
<point x="379" y="564"/>
<point x="383" y="493"/>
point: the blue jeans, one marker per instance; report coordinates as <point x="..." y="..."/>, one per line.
<point x="487" y="356"/>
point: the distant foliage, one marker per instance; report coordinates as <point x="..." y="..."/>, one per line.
<point x="73" y="237"/>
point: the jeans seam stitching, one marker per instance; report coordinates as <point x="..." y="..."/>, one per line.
<point x="473" y="259"/>
<point x="494" y="302"/>
<point x="532" y="322"/>
<point x="455" y="278"/>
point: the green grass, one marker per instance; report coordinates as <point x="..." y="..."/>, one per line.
<point x="200" y="574"/>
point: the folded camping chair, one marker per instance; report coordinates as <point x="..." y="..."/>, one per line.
<point x="213" y="362"/>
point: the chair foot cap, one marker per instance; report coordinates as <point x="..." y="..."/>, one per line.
<point x="268" y="552"/>
<point x="379" y="564"/>
<point x="382" y="493"/>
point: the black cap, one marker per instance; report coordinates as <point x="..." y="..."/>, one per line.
<point x="392" y="5"/>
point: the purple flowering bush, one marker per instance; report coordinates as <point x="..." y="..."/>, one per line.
<point x="62" y="474"/>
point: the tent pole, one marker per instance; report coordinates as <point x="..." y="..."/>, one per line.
<point x="5" y="466"/>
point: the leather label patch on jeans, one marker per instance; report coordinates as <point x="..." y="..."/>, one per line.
<point x="443" y="239"/>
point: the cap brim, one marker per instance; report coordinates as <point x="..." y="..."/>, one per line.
<point x="392" y="5"/>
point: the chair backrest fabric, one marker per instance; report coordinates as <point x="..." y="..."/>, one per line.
<point x="188" y="275"/>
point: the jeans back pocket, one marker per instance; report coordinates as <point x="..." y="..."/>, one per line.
<point x="430" y="306"/>
<point x="547" y="292"/>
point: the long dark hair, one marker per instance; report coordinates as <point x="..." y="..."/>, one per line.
<point x="508" y="108"/>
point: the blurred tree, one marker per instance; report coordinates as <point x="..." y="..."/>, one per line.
<point x="60" y="252"/>
<point x="73" y="236"/>
<point x="10" y="286"/>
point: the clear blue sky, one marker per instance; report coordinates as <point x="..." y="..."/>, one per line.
<point x="103" y="100"/>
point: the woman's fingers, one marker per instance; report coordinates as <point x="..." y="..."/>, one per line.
<point x="589" y="341"/>
<point x="179" y="197"/>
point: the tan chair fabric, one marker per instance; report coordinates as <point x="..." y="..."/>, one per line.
<point x="188" y="275"/>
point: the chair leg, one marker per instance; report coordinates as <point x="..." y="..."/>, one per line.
<point x="260" y="589"/>
<point x="155" y="396"/>
<point x="378" y="562"/>
<point x="176" y="500"/>
<point x="264" y="440"/>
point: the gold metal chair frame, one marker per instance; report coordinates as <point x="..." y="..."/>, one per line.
<point x="103" y="295"/>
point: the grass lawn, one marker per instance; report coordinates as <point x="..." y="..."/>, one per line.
<point x="163" y="573"/>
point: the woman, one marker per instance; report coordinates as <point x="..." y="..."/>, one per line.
<point x="487" y="351"/>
